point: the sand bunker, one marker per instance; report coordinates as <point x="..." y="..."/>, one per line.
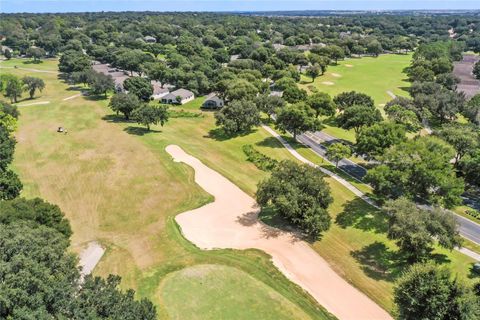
<point x="336" y="75"/>
<point x="328" y="83"/>
<point x="89" y="258"/>
<point x="348" y="65"/>
<point x="231" y="222"/>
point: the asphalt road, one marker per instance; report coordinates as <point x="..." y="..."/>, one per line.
<point x="313" y="140"/>
<point x="468" y="229"/>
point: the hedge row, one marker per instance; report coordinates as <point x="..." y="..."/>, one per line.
<point x="473" y="213"/>
<point x="260" y="160"/>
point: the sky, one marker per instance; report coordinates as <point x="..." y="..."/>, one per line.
<point x="9" y="6"/>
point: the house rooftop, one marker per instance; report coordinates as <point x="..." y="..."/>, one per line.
<point x="182" y="93"/>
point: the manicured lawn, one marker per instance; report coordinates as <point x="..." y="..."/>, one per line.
<point x="46" y="64"/>
<point x="118" y="186"/>
<point x="373" y="76"/>
<point x="242" y="296"/>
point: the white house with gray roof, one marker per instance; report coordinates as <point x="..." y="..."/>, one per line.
<point x="180" y="96"/>
<point x="213" y="101"/>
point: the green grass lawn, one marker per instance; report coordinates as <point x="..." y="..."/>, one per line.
<point x="203" y="286"/>
<point x="117" y="184"/>
<point x="46" y="64"/>
<point x="373" y="76"/>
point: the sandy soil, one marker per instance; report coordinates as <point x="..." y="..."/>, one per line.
<point x="72" y="97"/>
<point x="33" y="103"/>
<point x="231" y="222"/>
<point x="89" y="257"/>
<point x="328" y="83"/>
<point x="336" y="75"/>
<point x="348" y="65"/>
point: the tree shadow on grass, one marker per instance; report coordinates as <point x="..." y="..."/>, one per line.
<point x="220" y="135"/>
<point x="95" y="97"/>
<point x="331" y="121"/>
<point x="270" y="142"/>
<point x="115" y="118"/>
<point x="473" y="274"/>
<point x="139" y="131"/>
<point x="33" y="62"/>
<point x="359" y="214"/>
<point x="380" y="262"/>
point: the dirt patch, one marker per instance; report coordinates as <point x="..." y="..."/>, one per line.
<point x="231" y="222"/>
<point x="348" y="65"/>
<point x="33" y="103"/>
<point x="328" y="83"/>
<point x="72" y="97"/>
<point x="89" y="257"/>
<point x="391" y="94"/>
<point x="336" y="75"/>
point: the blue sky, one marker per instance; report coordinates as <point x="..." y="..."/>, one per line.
<point x="228" y="5"/>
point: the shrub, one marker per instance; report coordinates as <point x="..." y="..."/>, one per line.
<point x="260" y="160"/>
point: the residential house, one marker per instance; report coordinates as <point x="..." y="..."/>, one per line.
<point x="158" y="90"/>
<point x="180" y="96"/>
<point x="149" y="39"/>
<point x="275" y="93"/>
<point x="213" y="101"/>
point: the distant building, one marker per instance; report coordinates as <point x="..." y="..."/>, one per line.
<point x="276" y="93"/>
<point x="118" y="76"/>
<point x="234" y="57"/>
<point x="213" y="101"/>
<point x="278" y="46"/>
<point x="149" y="39"/>
<point x="180" y="96"/>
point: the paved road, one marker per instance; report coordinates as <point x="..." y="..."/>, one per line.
<point x="468" y="228"/>
<point x="314" y="140"/>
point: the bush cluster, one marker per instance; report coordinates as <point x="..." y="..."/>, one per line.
<point x="260" y="160"/>
<point x="473" y="213"/>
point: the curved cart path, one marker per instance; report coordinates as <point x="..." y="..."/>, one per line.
<point x="231" y="222"/>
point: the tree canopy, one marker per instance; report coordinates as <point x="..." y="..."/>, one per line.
<point x="415" y="230"/>
<point x="238" y="116"/>
<point x="125" y="103"/>
<point x="147" y="115"/>
<point x="299" y="194"/>
<point x="374" y="140"/>
<point x="428" y="291"/>
<point x="140" y="87"/>
<point x="418" y="169"/>
<point x="297" y="119"/>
